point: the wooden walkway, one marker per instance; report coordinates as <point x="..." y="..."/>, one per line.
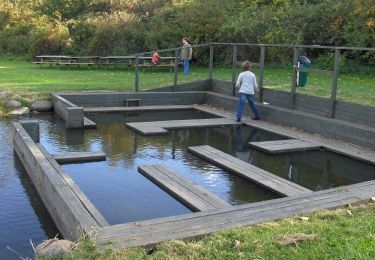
<point x="135" y="109"/>
<point x="79" y="157"/>
<point x="268" y="180"/>
<point x="160" y="127"/>
<point x="190" y="194"/>
<point x="284" y="146"/>
<point x="187" y="226"/>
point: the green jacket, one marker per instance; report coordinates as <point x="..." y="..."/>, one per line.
<point x="186" y="52"/>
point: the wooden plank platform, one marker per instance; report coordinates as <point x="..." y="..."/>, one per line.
<point x="284" y="146"/>
<point x="268" y="180"/>
<point x="79" y="157"/>
<point x="190" y="194"/>
<point x="160" y="127"/>
<point x="188" y="226"/>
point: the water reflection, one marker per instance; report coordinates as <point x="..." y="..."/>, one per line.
<point x="122" y="194"/>
<point x="22" y="213"/>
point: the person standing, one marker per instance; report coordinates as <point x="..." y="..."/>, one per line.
<point x="248" y="86"/>
<point x="186" y="54"/>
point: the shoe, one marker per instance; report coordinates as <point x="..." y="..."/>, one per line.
<point x="238" y="119"/>
<point x="256" y="118"/>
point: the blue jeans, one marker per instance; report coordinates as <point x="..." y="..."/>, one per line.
<point x="186" y="66"/>
<point x="250" y="99"/>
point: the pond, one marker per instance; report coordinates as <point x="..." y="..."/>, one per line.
<point x="122" y="194"/>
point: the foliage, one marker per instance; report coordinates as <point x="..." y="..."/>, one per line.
<point x="127" y="26"/>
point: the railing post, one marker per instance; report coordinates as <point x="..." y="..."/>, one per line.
<point x="335" y="75"/>
<point x="294" y="79"/>
<point x="211" y="62"/>
<point x="175" y="69"/>
<point x="261" y="72"/>
<point x="234" y="66"/>
<point x="136" y="83"/>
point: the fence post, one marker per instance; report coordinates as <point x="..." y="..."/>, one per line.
<point x="334" y="84"/>
<point x="211" y="64"/>
<point x="294" y="79"/>
<point x="261" y="72"/>
<point x="175" y="70"/>
<point x="136" y="73"/>
<point x="234" y="66"/>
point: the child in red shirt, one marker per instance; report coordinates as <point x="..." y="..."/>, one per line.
<point x="155" y="57"/>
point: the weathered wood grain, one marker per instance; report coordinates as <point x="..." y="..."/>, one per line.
<point x="268" y="180"/>
<point x="284" y="146"/>
<point x="202" y="223"/>
<point x="79" y="157"/>
<point x="192" y="195"/>
<point x="160" y="127"/>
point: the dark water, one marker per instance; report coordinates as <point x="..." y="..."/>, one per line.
<point x="22" y="213"/>
<point x="122" y="194"/>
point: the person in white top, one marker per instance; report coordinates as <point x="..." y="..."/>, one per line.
<point x="248" y="87"/>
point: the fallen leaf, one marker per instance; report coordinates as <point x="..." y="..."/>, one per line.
<point x="349" y="212"/>
<point x="237" y="244"/>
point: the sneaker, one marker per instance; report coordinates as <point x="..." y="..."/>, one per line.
<point x="238" y="119"/>
<point x="256" y="118"/>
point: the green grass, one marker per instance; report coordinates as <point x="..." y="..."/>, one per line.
<point x="351" y="88"/>
<point x="347" y="233"/>
<point x="19" y="76"/>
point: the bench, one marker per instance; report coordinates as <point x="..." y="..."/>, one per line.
<point x="133" y="102"/>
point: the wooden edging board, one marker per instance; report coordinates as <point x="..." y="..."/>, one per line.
<point x="66" y="209"/>
<point x="188" y="226"/>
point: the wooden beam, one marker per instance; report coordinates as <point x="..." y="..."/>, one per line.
<point x="336" y="69"/>
<point x="294" y="79"/>
<point x="79" y="157"/>
<point x="190" y="194"/>
<point x="250" y="172"/>
<point x="284" y="146"/>
<point x="188" y="226"/>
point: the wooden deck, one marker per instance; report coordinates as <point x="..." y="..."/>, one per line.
<point x="202" y="223"/>
<point x="284" y="146"/>
<point x="79" y="157"/>
<point x="160" y="127"/>
<point x="190" y="194"/>
<point x="268" y="180"/>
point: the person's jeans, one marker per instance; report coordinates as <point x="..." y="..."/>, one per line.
<point x="250" y="99"/>
<point x="186" y="66"/>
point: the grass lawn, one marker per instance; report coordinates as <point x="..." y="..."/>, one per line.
<point x="21" y="77"/>
<point x="358" y="89"/>
<point x="347" y="233"/>
<point x="18" y="76"/>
